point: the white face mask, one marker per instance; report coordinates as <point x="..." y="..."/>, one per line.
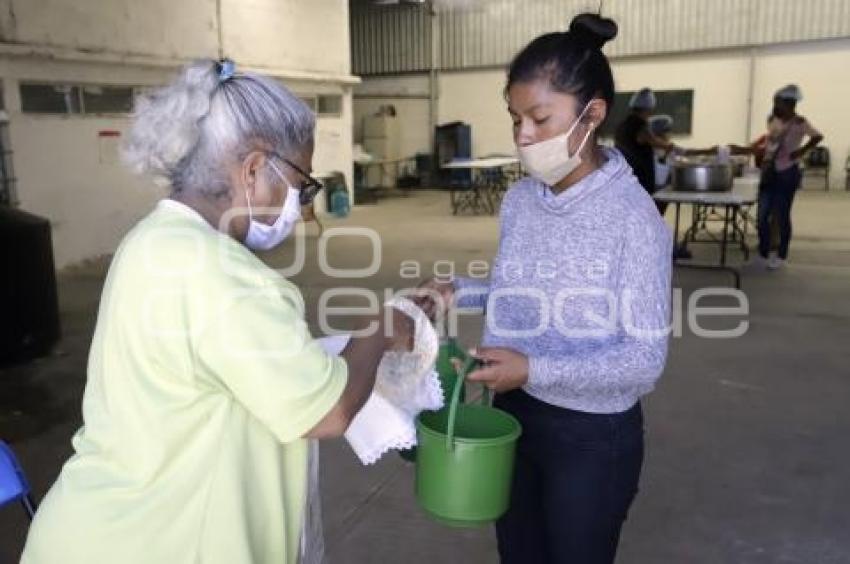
<point x="262" y="237"/>
<point x="550" y="161"/>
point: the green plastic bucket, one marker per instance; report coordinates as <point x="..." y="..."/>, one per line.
<point x="465" y="460"/>
<point x="449" y="350"/>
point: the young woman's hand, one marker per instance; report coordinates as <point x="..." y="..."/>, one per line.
<point x="435" y="296"/>
<point x="503" y="370"/>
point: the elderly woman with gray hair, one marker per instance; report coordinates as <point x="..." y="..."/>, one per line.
<point x="203" y="380"/>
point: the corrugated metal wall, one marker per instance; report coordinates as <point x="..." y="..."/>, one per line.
<point x="390" y="39"/>
<point x="476" y="33"/>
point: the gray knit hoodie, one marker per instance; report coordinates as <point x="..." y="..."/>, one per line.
<point x="581" y="286"/>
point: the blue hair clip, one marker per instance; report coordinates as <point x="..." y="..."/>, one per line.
<point x="226" y="69"/>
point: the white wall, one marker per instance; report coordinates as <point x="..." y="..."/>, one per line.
<point x="291" y="34"/>
<point x="163" y="28"/>
<point x="720" y="81"/>
<point x="60" y="176"/>
<point x="57" y="158"/>
<point x="281" y="34"/>
<point x="476" y="98"/>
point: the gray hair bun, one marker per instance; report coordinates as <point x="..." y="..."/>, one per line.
<point x="185" y="134"/>
<point x="166" y="124"/>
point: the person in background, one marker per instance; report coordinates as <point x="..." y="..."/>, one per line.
<point x="781" y="174"/>
<point x="636" y="141"/>
<point x="203" y="380"/>
<point x="579" y="222"/>
<point x="757" y="148"/>
<point x="661" y="126"/>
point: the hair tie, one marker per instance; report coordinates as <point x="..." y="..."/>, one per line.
<point x="226" y="69"/>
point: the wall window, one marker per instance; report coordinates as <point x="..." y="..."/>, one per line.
<point x="311" y="101"/>
<point x="75" y="99"/>
<point x="329" y="105"/>
<point x="323" y="105"/>
<point x="50" y="99"/>
<point x="107" y="99"/>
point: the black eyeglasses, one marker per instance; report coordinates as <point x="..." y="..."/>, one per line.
<point x="309" y="188"/>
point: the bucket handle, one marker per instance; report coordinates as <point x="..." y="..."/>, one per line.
<point x="468" y="364"/>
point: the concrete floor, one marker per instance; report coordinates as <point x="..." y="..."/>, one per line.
<point x="747" y="457"/>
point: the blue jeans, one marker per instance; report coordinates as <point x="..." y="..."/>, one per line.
<point x="776" y="196"/>
<point x="576" y="476"/>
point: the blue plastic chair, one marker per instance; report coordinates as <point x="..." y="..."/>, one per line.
<point x="13" y="484"/>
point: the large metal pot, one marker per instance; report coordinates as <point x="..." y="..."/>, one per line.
<point x="692" y="177"/>
<point x="739" y="165"/>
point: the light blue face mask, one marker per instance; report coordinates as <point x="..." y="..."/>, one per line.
<point x="261" y="236"/>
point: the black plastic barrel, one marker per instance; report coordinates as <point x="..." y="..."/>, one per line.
<point x="29" y="305"/>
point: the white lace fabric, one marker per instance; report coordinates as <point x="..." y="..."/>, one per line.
<point x="406" y="384"/>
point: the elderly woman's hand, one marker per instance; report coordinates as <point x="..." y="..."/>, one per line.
<point x="503" y="370"/>
<point x="400" y="332"/>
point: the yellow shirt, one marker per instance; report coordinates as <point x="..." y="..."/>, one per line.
<point x="202" y="379"/>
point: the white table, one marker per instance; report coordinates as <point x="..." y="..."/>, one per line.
<point x="489" y="184"/>
<point x="734" y="220"/>
<point x="490" y="162"/>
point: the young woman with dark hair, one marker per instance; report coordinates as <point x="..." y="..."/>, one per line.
<point x="578" y="306"/>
